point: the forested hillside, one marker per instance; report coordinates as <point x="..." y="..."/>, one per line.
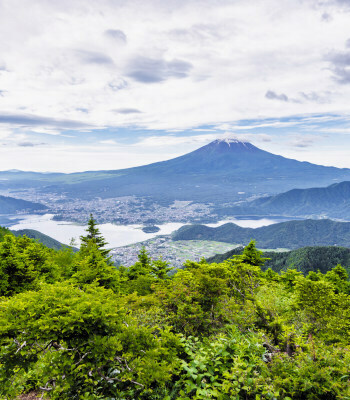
<point x="40" y="237"/>
<point x="305" y="259"/>
<point x="33" y="234"/>
<point x="332" y="201"/>
<point x="290" y="234"/>
<point x="9" y="205"/>
<point x="72" y="326"/>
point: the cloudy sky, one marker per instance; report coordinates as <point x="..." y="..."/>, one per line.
<point x="107" y="84"/>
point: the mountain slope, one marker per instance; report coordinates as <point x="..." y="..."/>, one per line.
<point x="332" y="201"/>
<point x="9" y="205"/>
<point x="33" y="234"/>
<point x="305" y="259"/>
<point x="48" y="241"/>
<point x="291" y="234"/>
<point x="215" y="172"/>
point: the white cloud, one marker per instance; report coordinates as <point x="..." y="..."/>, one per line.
<point x="171" y="65"/>
<point x="241" y="49"/>
<point x="77" y="158"/>
<point x="303" y="141"/>
<point x="171" y="140"/>
<point x="5" y="132"/>
<point x="108" y="141"/>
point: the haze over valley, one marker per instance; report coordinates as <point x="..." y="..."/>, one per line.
<point x="224" y="181"/>
<point x="216" y="181"/>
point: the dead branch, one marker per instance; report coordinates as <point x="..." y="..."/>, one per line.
<point x="82" y="358"/>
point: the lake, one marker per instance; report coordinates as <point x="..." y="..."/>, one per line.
<point x="115" y="235"/>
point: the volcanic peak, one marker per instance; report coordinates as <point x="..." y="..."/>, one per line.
<point x="230" y="141"/>
<point x="229" y="145"/>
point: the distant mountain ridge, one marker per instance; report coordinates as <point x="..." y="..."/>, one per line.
<point x="332" y="201"/>
<point x="290" y="234"/>
<point x="222" y="171"/>
<point x="10" y="205"/>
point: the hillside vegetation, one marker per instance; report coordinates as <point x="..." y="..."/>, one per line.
<point x="40" y="237"/>
<point x="72" y="326"/>
<point x="3" y="232"/>
<point x="290" y="234"/>
<point x="305" y="259"/>
<point x="33" y="234"/>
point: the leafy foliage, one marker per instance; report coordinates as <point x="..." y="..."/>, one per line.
<point x="23" y="263"/>
<point x="4" y="232"/>
<point x="80" y="343"/>
<point x="73" y="326"/>
<point x="305" y="259"/>
<point x="91" y="266"/>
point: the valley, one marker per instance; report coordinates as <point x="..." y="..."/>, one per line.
<point x="127" y="240"/>
<point x="223" y="179"/>
<point x="176" y="253"/>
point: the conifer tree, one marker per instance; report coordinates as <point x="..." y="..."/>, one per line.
<point x="144" y="259"/>
<point x="142" y="267"/>
<point x="160" y="268"/>
<point x="251" y="255"/>
<point x="94" y="236"/>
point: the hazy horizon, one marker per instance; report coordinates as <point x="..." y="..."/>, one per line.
<point x="136" y="165"/>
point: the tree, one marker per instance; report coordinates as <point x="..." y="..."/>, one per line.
<point x="94" y="268"/>
<point x="161" y="268"/>
<point x="251" y="255"/>
<point x="80" y="344"/>
<point x="245" y="272"/>
<point x="23" y="263"/>
<point x="142" y="267"/>
<point x="339" y="277"/>
<point x="3" y="232"/>
<point x="94" y="236"/>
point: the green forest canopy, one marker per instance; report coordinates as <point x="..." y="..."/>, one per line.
<point x="305" y="259"/>
<point x="72" y="326"/>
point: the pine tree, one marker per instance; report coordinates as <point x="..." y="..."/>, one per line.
<point x="144" y="259"/>
<point x="94" y="236"/>
<point x="251" y="255"/>
<point x="160" y="268"/>
<point x="142" y="267"/>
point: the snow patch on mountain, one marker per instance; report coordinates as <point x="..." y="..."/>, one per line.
<point x="230" y="141"/>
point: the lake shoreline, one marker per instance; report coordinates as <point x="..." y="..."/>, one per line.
<point x="118" y="235"/>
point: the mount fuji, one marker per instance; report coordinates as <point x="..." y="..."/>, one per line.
<point x="222" y="171"/>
